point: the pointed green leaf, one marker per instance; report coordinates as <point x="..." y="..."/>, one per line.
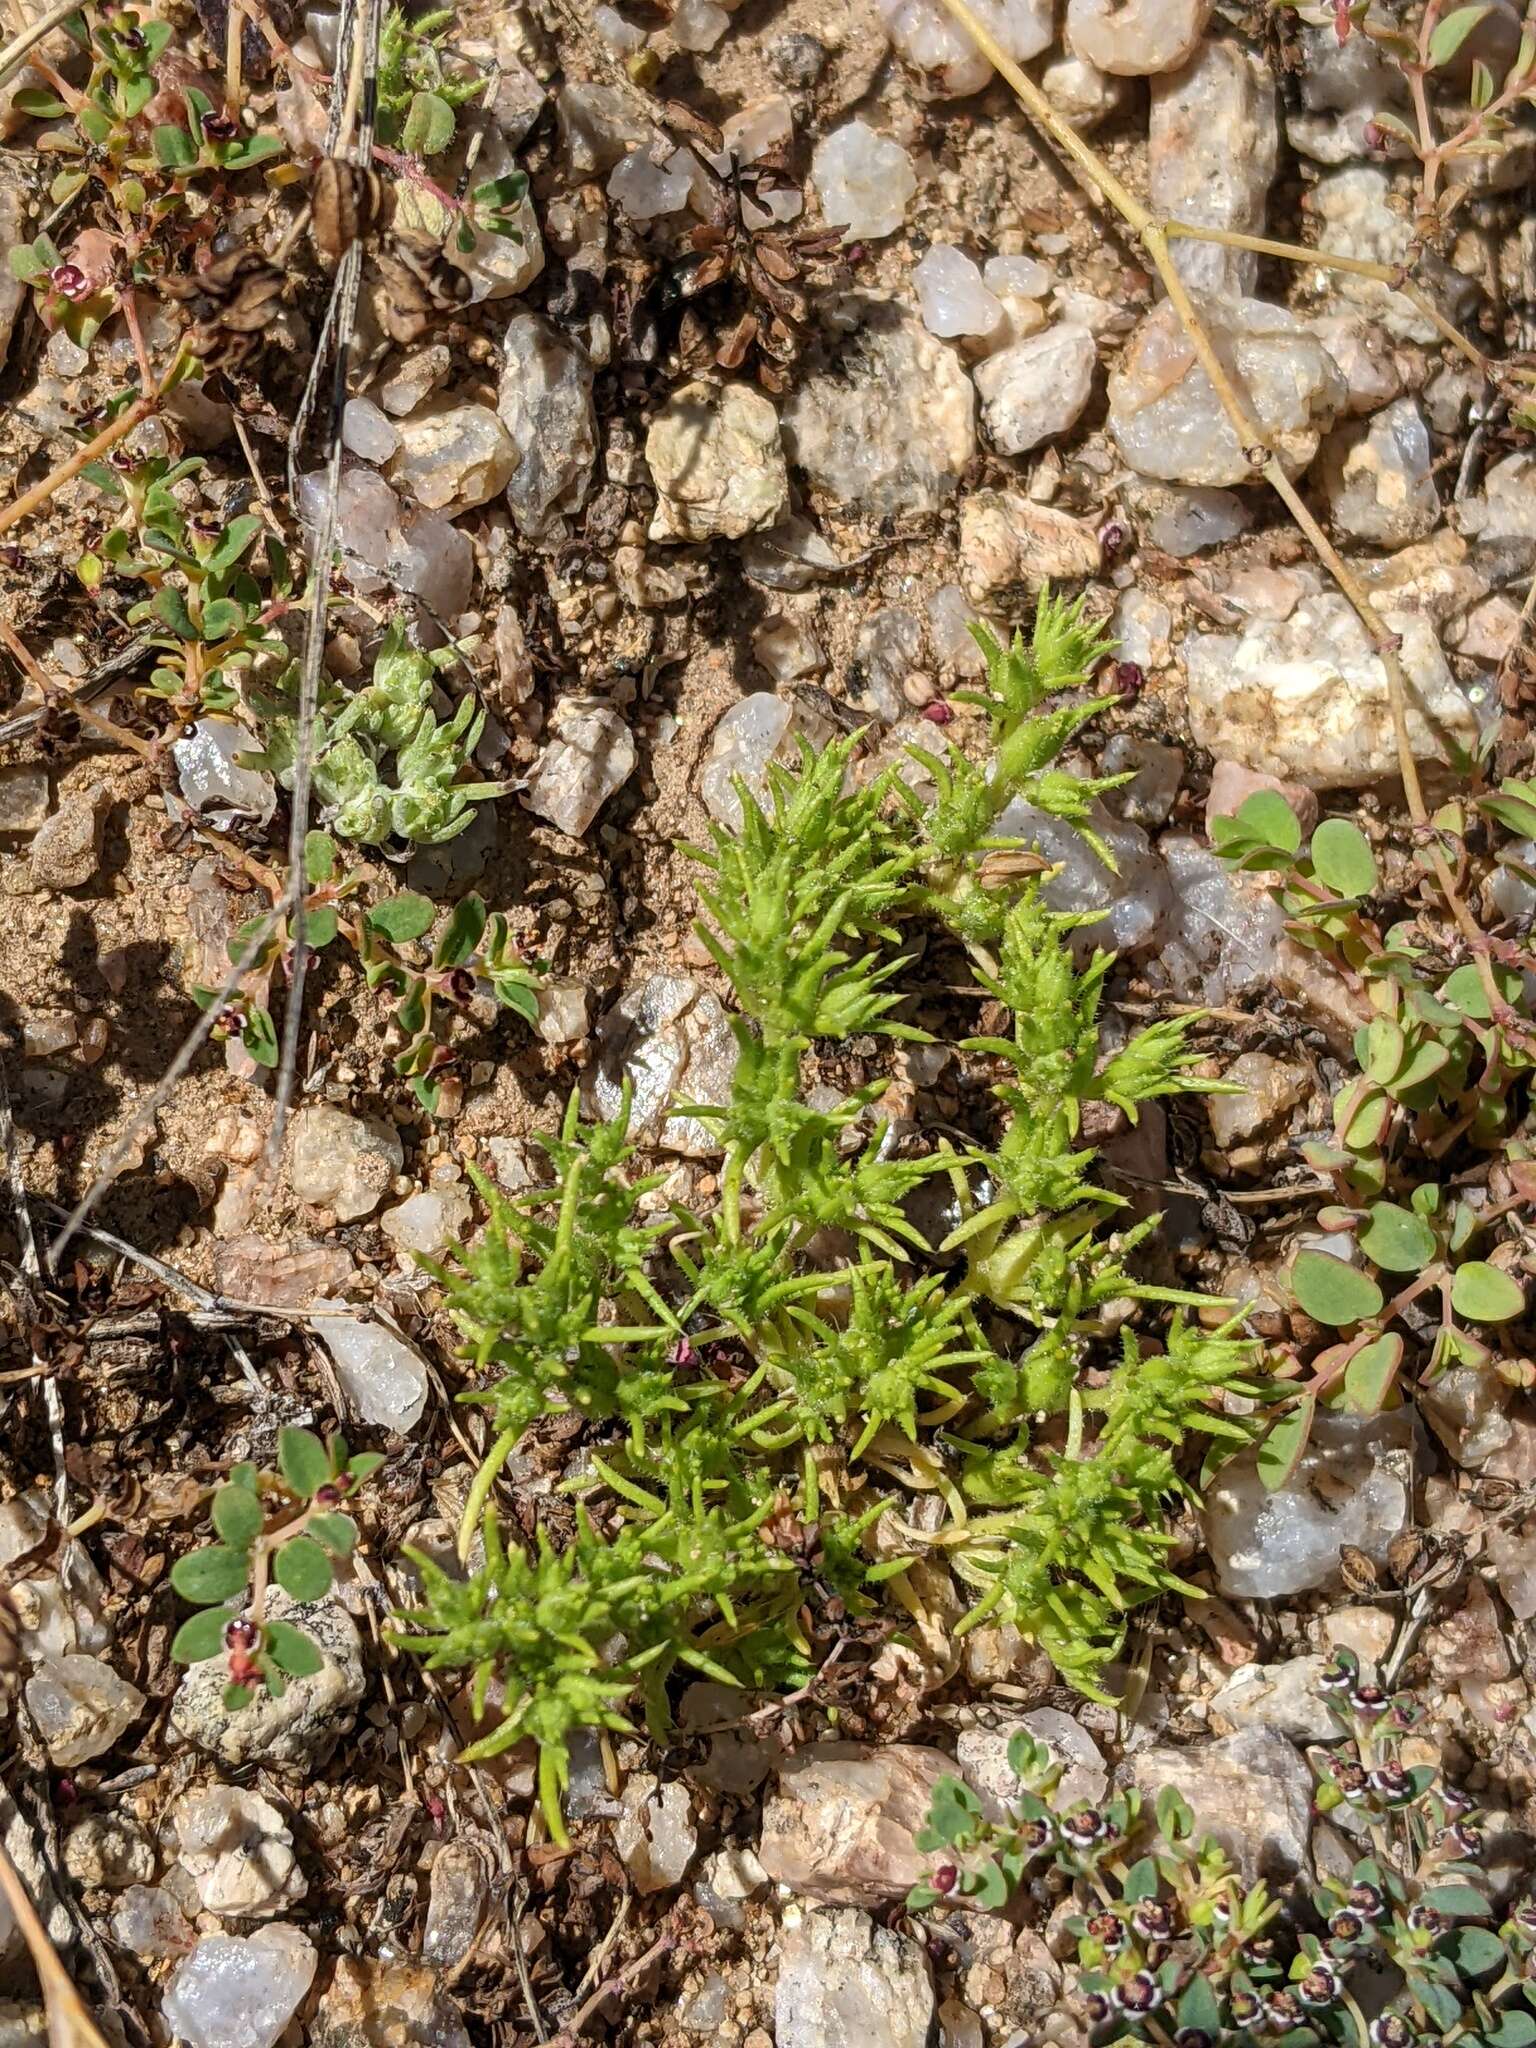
<point x="1280" y="1452"/>
<point x="1449" y="35"/>
<point x="1369" y="1375"/>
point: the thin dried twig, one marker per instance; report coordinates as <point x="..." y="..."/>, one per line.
<point x="69" y="2024"/>
<point x="19" y="48"/>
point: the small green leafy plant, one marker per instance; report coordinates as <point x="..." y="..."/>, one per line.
<point x="279" y="1528"/>
<point x="474" y="953"/>
<point x="144" y="177"/>
<point x="762" y="1383"/>
<point x="383" y="764"/>
<point x="1441" y="1065"/>
<point x="1175" y="1947"/>
<point x="210" y="614"/>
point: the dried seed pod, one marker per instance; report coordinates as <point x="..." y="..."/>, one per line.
<point x="346" y="204"/>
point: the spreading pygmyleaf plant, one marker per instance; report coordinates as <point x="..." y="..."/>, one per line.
<point x="1175" y="1946"/>
<point x="271" y="1528"/>
<point x="1429" y="1151"/>
<point x="853" y="1317"/>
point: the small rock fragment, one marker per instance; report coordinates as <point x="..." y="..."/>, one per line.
<point x="213" y="782"/>
<point x="672" y="1039"/>
<point x="1378" y="478"/>
<point x="344" y="1162"/>
<point x="66" y="848"/>
<point x="1038" y="388"/>
<point x="238" y="1851"/>
<point x="1156" y="775"/>
<point x="1135" y="38"/>
<point x="843" y="1980"/>
<point x="981" y="1753"/>
<point x="888" y="649"/>
<point x="1212" y="147"/>
<point x="715" y="458"/>
<point x="1285" y="1697"/>
<point x="950" y="618"/>
<point x="1365" y="358"/>
<point x="1252" y="1791"/>
<point x="654" y="1835"/>
<point x="370" y="2003"/>
<point x="432" y="560"/>
<point x="940" y="50"/>
<point x="1269" y="1087"/>
<point x="110" y="1852"/>
<point x="381" y="1375"/>
<point x="366" y="433"/>
<point x="456" y="1904"/>
<point x="888" y="425"/>
<point x="1350" y="1487"/>
<point x="414" y="378"/>
<point x="453" y="457"/>
<point x="698" y="24"/>
<point x="598" y="123"/>
<point x="1356" y="218"/>
<point x="789" y="556"/>
<point x="646" y="189"/>
<point x="545" y="402"/>
<point x="23" y="799"/>
<point x="302" y="1727"/>
<point x="428" y="1221"/>
<point x="951" y="293"/>
<point x="1182" y="519"/>
<point x="1306" y="698"/>
<point x="841" y="1824"/>
<point x="1133" y="898"/>
<point x="590" y="754"/>
<point x="863" y="181"/>
<point x="1166" y="419"/>
<point x="760" y="729"/>
<point x="81" y="1707"/>
<point x="562" y="1018"/>
<point x="1007" y="540"/>
<point x="238" y="1993"/>
<point x="149" y="1924"/>
<point x="1083" y="95"/>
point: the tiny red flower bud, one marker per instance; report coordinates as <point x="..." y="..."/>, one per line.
<point x="1113" y="536"/>
<point x="220" y="127"/>
<point x="938" y="712"/>
<point x="70" y="281"/>
<point x="1374" y="137"/>
<point x="1129" y="677"/>
<point x="242" y="1635"/>
<point x="327" y="1496"/>
<point x="945" y="1878"/>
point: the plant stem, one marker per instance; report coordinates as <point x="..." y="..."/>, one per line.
<point x="480" y="1489"/>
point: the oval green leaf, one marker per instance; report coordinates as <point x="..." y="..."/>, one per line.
<point x="1452" y="32"/>
<point x="1486" y="1294"/>
<point x="291" y="1650"/>
<point x="303" y="1460"/>
<point x="429" y="125"/>
<point x="1332" y="1291"/>
<point x="209" y="1576"/>
<point x="302" y="1569"/>
<point x="237" y="1516"/>
<point x="338" y="1533"/>
<point x="1397" y="1239"/>
<point x="1342" y="859"/>
<point x="402" y="917"/>
<point x="202" y="1636"/>
<point x="1369" y="1375"/>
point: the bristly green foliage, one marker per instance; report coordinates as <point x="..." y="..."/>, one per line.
<point x="1175" y="1946"/>
<point x="758" y="1382"/>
